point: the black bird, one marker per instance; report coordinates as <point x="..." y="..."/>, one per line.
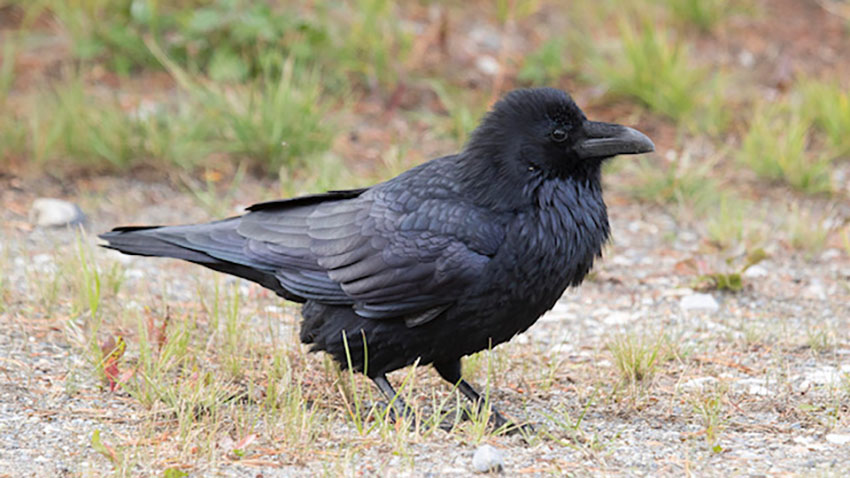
<point x="451" y="257"/>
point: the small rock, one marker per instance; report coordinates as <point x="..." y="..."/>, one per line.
<point x="50" y="212"/>
<point x="617" y="318"/>
<point x="746" y="59"/>
<point x="488" y="65"/>
<point x="838" y="438"/>
<point x="752" y="386"/>
<point x="698" y="384"/>
<point x="699" y="302"/>
<point x="755" y="271"/>
<point x="487" y="459"/>
<point x="815" y="291"/>
<point x="830" y="254"/>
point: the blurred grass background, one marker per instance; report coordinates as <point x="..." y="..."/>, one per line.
<point x="331" y="93"/>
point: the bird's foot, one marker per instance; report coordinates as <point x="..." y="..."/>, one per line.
<point x="396" y="413"/>
<point x="496" y="420"/>
<point x="505" y="426"/>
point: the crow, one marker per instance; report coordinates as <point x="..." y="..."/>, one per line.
<point x="456" y="255"/>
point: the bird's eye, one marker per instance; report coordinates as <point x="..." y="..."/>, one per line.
<point x="558" y="135"/>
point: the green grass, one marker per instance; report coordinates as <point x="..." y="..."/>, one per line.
<point x="654" y="69"/>
<point x="683" y="181"/>
<point x="705" y="15"/>
<point x="733" y="221"/>
<point x="231" y="40"/>
<point x="776" y="148"/>
<point x="709" y="407"/>
<point x="270" y="123"/>
<point x="636" y="358"/>
<point x="827" y="105"/>
<point x="805" y="229"/>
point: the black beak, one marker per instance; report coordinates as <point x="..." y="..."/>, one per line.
<point x="604" y="140"/>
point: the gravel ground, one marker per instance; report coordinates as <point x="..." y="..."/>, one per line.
<point x="754" y="383"/>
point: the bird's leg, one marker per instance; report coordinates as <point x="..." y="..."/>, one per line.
<point x="401" y="409"/>
<point x="450" y="371"/>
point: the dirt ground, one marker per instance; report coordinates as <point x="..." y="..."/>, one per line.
<point x="769" y="365"/>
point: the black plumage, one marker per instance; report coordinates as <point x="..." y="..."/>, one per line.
<point x="451" y="257"/>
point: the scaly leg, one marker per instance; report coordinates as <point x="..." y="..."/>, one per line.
<point x="401" y="409"/>
<point x="450" y="371"/>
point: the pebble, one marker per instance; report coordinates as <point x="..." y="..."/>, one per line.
<point x="488" y="65"/>
<point x="838" y="438"/>
<point x="699" y="302"/>
<point x="618" y="318"/>
<point x="815" y="290"/>
<point x="487" y="459"/>
<point x="51" y="212"/>
<point x="755" y="271"/>
<point x="697" y="384"/>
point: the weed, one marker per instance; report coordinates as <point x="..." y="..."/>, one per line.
<point x="828" y="106"/>
<point x="274" y="122"/>
<point x="209" y="195"/>
<point x="775" y="147"/>
<point x="326" y="172"/>
<point x="546" y="65"/>
<point x="374" y="47"/>
<point x="5" y="285"/>
<point x="681" y="180"/>
<point x="635" y="358"/>
<point x="706" y="15"/>
<point x="93" y="132"/>
<point x="7" y="68"/>
<point x="821" y="338"/>
<point x="729" y="279"/>
<point x="462" y="117"/>
<point x="653" y="69"/>
<point x="708" y="405"/>
<point x="728" y="223"/>
<point x="805" y="230"/>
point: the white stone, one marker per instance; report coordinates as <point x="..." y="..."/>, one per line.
<point x="815" y="290"/>
<point x="617" y="317"/>
<point x="488" y="65"/>
<point x="752" y="386"/>
<point x="487" y="458"/>
<point x="698" y="384"/>
<point x="838" y="438"/>
<point x="50" y="212"/>
<point x="825" y="375"/>
<point x="755" y="271"/>
<point x="699" y="302"/>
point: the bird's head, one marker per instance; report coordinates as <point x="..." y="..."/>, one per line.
<point x="542" y="132"/>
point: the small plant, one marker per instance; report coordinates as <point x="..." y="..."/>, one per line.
<point x="776" y="148"/>
<point x="463" y="114"/>
<point x="728" y="223"/>
<point x="706" y="15"/>
<point x="821" y="338"/>
<point x="681" y="180"/>
<point x="93" y="132"/>
<point x="635" y="357"/>
<point x="729" y="280"/>
<point x="576" y="437"/>
<point x="709" y="407"/>
<point x="547" y="64"/>
<point x="653" y="69"/>
<point x="806" y="230"/>
<point x="7" y="69"/>
<point x="828" y="106"/>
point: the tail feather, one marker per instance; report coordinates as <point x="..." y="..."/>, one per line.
<point x="171" y="241"/>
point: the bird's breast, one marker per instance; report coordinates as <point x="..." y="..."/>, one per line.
<point x="554" y="243"/>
